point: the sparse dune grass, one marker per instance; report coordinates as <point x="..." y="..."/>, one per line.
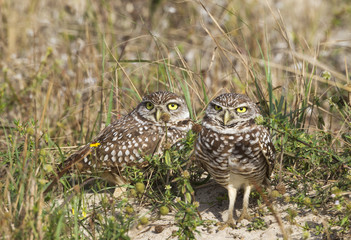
<point x="69" y="69"/>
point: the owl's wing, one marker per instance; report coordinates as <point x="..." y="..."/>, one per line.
<point x="268" y="150"/>
<point x="76" y="160"/>
<point x="139" y="139"/>
<point x="90" y="149"/>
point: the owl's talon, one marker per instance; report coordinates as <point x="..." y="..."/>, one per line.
<point x="224" y="225"/>
<point x="245" y="215"/>
<point x="231" y="223"/>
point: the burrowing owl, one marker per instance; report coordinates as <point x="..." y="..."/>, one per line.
<point x="161" y="118"/>
<point x="236" y="151"/>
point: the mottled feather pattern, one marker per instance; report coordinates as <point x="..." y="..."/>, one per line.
<point x="240" y="152"/>
<point x="233" y="148"/>
<point x="230" y="99"/>
<point x="127" y="140"/>
<point x="236" y="151"/>
<point x="242" y="147"/>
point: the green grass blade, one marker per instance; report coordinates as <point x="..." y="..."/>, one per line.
<point x="206" y="99"/>
<point x="110" y="104"/>
<point x="103" y="49"/>
<point x="186" y="94"/>
<point x="268" y="79"/>
<point x="59" y="227"/>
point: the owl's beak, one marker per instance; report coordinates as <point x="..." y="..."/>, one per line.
<point x="158" y="114"/>
<point x="226" y="117"/>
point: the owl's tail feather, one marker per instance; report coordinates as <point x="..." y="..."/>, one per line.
<point x="70" y="163"/>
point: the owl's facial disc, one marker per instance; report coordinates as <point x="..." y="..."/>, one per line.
<point x="228" y="115"/>
<point x="173" y="110"/>
<point x="153" y="112"/>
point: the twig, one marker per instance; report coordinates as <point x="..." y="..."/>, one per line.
<point x="270" y="207"/>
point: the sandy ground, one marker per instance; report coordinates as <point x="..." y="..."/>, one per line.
<point x="216" y="210"/>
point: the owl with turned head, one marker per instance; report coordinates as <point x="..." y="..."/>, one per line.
<point x="236" y="151"/>
<point x="162" y="118"/>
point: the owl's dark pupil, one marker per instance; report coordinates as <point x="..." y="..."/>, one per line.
<point x="149" y="106"/>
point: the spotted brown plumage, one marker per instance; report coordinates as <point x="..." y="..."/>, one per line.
<point x="236" y="151"/>
<point x="161" y="118"/>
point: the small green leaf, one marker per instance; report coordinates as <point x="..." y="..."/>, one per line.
<point x="343" y="221"/>
<point x="188" y="197"/>
<point x="167" y="159"/>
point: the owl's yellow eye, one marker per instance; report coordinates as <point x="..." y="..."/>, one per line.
<point x="172" y="106"/>
<point x="149" y="106"/>
<point x="217" y="108"/>
<point x="241" y="109"/>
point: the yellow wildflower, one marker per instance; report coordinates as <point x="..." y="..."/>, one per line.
<point x="84" y="215"/>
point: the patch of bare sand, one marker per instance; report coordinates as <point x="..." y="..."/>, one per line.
<point x="213" y="207"/>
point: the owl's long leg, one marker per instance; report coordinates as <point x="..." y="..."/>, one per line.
<point x="245" y="214"/>
<point x="232" y="191"/>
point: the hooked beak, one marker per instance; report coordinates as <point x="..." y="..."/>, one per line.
<point x="158" y="114"/>
<point x="226" y="117"/>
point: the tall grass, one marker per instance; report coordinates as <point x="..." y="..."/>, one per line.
<point x="69" y="69"/>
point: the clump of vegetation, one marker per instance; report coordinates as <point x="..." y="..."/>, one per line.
<point x="314" y="164"/>
<point x="69" y="69"/>
<point x="168" y="186"/>
<point x="257" y="223"/>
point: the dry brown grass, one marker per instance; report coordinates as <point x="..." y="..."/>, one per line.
<point x="60" y="61"/>
<point x="50" y="42"/>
